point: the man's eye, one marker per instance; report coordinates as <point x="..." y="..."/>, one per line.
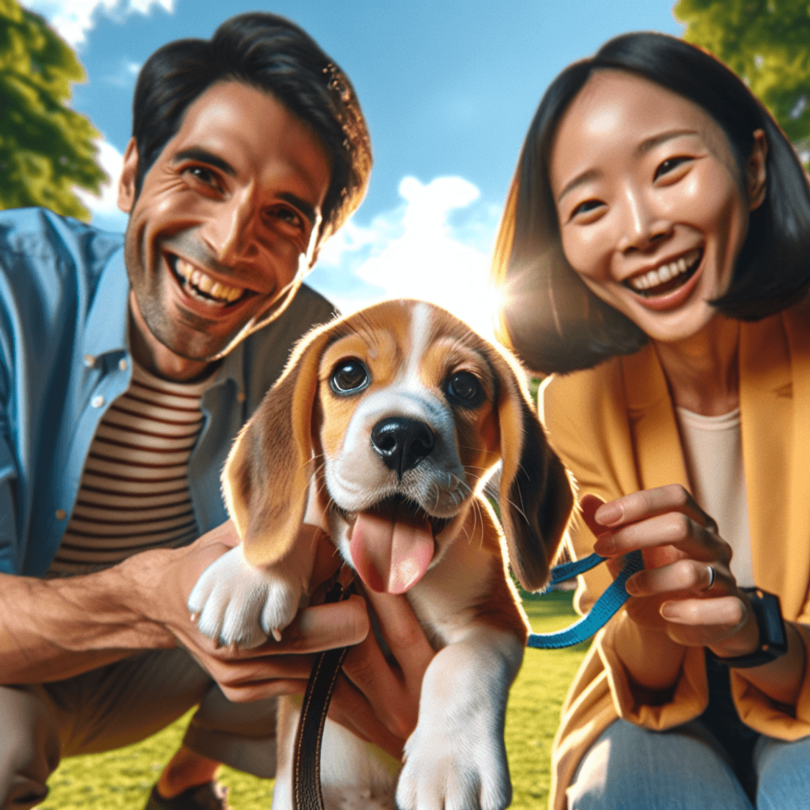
<point x="204" y="175"/>
<point x="668" y="165"/>
<point x="288" y="215"/>
<point x="349" y="377"/>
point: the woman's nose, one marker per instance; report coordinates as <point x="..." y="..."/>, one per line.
<point x="642" y="226"/>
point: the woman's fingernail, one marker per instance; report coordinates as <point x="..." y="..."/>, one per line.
<point x="669" y="610"/>
<point x="608" y="514"/>
<point x="631" y="587"/>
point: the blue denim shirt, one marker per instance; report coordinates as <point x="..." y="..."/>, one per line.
<point x="64" y="358"/>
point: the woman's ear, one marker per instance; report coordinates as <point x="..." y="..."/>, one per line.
<point x="756" y="173"/>
<point x="129" y="173"/>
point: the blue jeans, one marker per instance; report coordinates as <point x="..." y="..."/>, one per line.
<point x="686" y="768"/>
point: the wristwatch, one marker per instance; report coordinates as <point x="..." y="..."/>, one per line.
<point x="772" y="634"/>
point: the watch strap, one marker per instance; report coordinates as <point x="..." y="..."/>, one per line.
<point x="772" y="634"/>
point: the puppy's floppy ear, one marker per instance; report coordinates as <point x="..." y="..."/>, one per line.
<point x="536" y="496"/>
<point x="267" y="474"/>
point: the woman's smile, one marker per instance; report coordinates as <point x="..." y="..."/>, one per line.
<point x="651" y="205"/>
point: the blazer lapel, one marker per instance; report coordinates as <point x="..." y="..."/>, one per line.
<point x="659" y="457"/>
<point x="775" y="408"/>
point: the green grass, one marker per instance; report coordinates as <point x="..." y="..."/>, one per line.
<point x="121" y="780"/>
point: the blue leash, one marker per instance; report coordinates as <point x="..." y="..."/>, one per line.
<point x="605" y="608"/>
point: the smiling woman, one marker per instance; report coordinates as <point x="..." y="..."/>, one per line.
<point x="655" y="210"/>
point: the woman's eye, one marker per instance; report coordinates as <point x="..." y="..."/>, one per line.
<point x="349" y="377"/>
<point x="586" y="207"/>
<point x="668" y="165"/>
<point x="465" y="388"/>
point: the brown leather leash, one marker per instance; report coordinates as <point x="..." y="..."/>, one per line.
<point x="307" y="753"/>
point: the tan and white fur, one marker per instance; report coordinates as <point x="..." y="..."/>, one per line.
<point x="393" y="418"/>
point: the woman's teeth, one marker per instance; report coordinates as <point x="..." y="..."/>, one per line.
<point x="198" y="282"/>
<point x="655" y="278"/>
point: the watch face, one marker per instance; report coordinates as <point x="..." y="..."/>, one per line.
<point x="768" y="613"/>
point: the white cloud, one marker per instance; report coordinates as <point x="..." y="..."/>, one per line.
<point x="72" y="19"/>
<point x="104" y="206"/>
<point x="436" y="246"/>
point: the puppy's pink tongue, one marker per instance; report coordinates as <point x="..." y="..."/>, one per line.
<point x="391" y="556"/>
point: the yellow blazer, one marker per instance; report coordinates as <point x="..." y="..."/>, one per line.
<point x="614" y="427"/>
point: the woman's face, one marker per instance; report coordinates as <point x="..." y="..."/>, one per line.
<point x="651" y="205"/>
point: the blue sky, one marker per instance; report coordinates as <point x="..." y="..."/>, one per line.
<point x="448" y="88"/>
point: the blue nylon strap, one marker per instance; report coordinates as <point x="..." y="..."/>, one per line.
<point x="605" y="608"/>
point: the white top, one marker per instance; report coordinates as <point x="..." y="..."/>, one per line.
<point x="712" y="448"/>
<point x="134" y="490"/>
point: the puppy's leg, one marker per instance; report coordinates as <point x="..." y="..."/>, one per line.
<point x="456" y="757"/>
<point x="240" y="604"/>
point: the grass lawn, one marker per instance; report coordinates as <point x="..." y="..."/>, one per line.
<point x="121" y="780"/>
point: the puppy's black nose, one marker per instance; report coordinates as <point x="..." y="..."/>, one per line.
<point x="402" y="443"/>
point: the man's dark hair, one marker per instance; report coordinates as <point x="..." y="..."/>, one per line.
<point x="271" y="54"/>
<point x="548" y="315"/>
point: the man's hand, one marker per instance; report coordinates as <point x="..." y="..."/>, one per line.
<point x="163" y="580"/>
<point x="378" y="697"/>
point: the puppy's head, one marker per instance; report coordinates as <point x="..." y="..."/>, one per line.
<point x="400" y="412"/>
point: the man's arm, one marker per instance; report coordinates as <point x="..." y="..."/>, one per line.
<point x="53" y="629"/>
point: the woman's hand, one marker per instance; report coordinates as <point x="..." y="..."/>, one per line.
<point x="676" y="593"/>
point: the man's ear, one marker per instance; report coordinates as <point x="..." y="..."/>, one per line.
<point x="129" y="173"/>
<point x="756" y="173"/>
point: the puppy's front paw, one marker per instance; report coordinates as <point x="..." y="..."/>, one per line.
<point x="454" y="771"/>
<point x="239" y="604"/>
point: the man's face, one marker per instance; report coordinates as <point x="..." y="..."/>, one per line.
<point x="226" y="220"/>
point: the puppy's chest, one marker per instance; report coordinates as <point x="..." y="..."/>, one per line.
<point x="451" y="595"/>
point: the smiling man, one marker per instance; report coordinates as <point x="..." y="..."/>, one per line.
<point x="126" y="370"/>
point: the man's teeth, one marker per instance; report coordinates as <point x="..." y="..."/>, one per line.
<point x="662" y="274"/>
<point x="204" y="283"/>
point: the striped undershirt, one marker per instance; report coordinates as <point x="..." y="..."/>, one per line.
<point x="134" y="491"/>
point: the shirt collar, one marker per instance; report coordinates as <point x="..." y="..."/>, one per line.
<point x="106" y="329"/>
<point x="108" y="318"/>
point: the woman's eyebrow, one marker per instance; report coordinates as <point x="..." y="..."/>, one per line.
<point x="579" y="180"/>
<point x="650" y="143"/>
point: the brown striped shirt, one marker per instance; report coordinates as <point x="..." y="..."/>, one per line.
<point x="134" y="491"/>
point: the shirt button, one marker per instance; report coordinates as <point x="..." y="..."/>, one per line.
<point x="122" y="364"/>
<point x="240" y="397"/>
<point x="89" y="360"/>
<point x="98" y="401"/>
<point x="61" y="514"/>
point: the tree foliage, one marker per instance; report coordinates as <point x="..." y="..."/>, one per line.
<point x="46" y="149"/>
<point x="767" y="43"/>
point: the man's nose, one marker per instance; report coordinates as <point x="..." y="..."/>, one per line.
<point x="230" y="229"/>
<point x="641" y="224"/>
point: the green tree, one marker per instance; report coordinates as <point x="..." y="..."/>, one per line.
<point x="46" y="149"/>
<point x="767" y="43"/>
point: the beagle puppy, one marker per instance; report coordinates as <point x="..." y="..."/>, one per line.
<point x="391" y="420"/>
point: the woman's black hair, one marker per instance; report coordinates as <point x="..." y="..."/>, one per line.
<point x="547" y="314"/>
<point x="272" y="54"/>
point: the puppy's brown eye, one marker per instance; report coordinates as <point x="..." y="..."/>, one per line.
<point x="349" y="377"/>
<point x="465" y="389"/>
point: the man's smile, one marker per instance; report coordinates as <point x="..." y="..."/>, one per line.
<point x="198" y="284"/>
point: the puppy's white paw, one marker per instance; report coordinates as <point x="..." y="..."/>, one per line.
<point x="466" y="770"/>
<point x="239" y="604"/>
